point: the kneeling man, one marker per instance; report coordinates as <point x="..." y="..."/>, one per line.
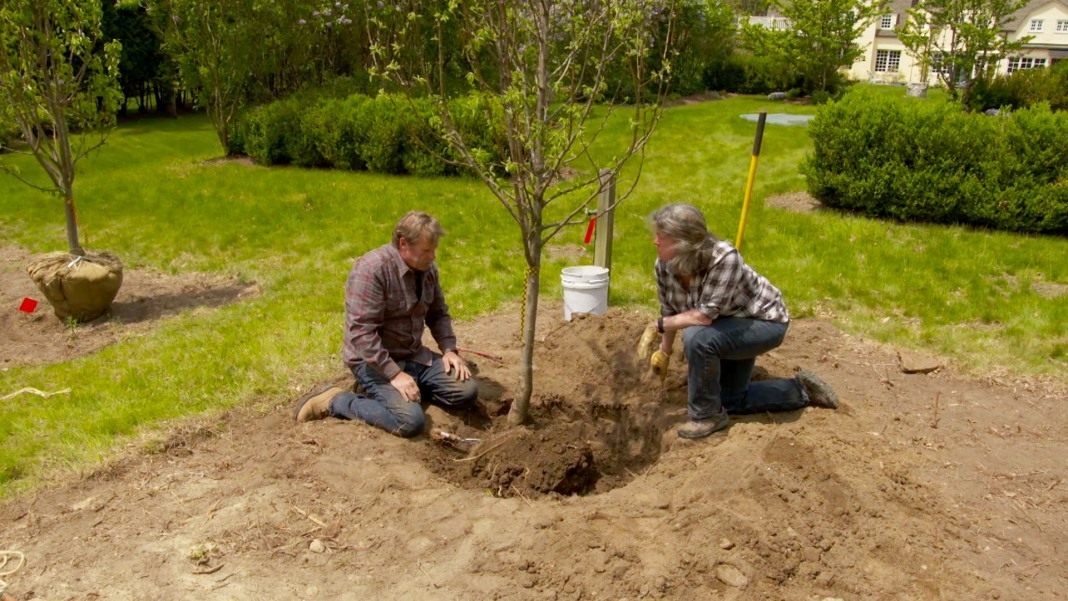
<point x="393" y="293"/>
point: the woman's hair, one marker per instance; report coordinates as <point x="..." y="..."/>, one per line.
<point x="413" y="226"/>
<point x="685" y="225"/>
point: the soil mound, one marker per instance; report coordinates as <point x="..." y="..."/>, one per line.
<point x="924" y="486"/>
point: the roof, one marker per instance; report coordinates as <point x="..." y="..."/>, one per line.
<point x="1018" y="17"/>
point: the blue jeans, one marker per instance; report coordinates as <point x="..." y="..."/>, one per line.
<point x="385" y="407"/>
<point x="721" y="357"/>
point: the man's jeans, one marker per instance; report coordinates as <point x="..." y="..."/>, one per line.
<point x="385" y="407"/>
<point x="721" y="357"/>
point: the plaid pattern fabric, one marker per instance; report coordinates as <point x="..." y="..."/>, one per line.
<point x="384" y="320"/>
<point x="726" y="287"/>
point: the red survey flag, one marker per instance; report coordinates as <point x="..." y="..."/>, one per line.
<point x="28" y="305"/>
<point x="589" y="231"/>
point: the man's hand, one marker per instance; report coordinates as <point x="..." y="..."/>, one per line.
<point x="648" y="342"/>
<point x="659" y="363"/>
<point x="455" y="365"/>
<point x="406" y="385"/>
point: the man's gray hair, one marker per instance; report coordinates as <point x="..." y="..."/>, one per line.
<point x="413" y="226"/>
<point x="685" y="224"/>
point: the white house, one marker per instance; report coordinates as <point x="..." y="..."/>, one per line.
<point x="886" y="60"/>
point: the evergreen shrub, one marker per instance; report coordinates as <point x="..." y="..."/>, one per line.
<point x="1025" y="88"/>
<point x="385" y="133"/>
<point x="932" y="161"/>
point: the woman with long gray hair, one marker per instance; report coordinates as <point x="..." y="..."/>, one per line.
<point x="728" y="314"/>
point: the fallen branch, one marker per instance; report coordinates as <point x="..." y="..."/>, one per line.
<point x="39" y="393"/>
<point x="496" y="358"/>
<point x="310" y="517"/>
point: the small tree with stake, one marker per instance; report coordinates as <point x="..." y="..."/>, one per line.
<point x="554" y="71"/>
<point x="57" y="76"/>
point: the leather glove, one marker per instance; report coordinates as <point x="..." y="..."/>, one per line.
<point x="648" y="343"/>
<point x="659" y="363"/>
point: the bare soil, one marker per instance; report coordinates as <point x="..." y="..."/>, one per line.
<point x="936" y="485"/>
<point x="145" y="297"/>
<point x="798" y="202"/>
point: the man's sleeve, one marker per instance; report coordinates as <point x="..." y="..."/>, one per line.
<point x="719" y="284"/>
<point x="438" y="319"/>
<point x="365" y="302"/>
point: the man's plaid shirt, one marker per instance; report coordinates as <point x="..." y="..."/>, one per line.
<point x="726" y="287"/>
<point x="384" y="320"/>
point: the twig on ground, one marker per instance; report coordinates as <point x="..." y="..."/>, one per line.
<point x="934" y="422"/>
<point x="488" y="449"/>
<point x="29" y="390"/>
<point x="496" y="358"/>
<point x="310" y="517"/>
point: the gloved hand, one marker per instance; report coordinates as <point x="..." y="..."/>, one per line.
<point x="659" y="363"/>
<point x="648" y="343"/>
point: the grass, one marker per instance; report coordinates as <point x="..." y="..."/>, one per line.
<point x="150" y="197"/>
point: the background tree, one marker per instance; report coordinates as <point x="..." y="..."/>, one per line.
<point x="821" y="38"/>
<point x="214" y="43"/>
<point x="145" y="71"/>
<point x="57" y="76"/>
<point x="545" y="66"/>
<point x="704" y="41"/>
<point x="918" y="37"/>
<point x="964" y="38"/>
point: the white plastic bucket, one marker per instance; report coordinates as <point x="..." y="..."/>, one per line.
<point x="585" y="290"/>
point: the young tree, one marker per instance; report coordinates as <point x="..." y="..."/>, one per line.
<point x="56" y="77"/>
<point x="919" y="37"/>
<point x="823" y="36"/>
<point x="214" y="43"/>
<point x="820" y="40"/>
<point x="964" y="38"/>
<point x="545" y="64"/>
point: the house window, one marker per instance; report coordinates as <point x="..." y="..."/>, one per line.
<point x="1036" y="25"/>
<point x="887" y="60"/>
<point x="1062" y="25"/>
<point x="939" y="64"/>
<point x="1018" y="63"/>
<point x="887" y="22"/>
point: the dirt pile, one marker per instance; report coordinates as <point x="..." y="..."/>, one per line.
<point x="921" y="486"/>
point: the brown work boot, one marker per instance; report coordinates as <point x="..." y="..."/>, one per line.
<point x="703" y="427"/>
<point x="819" y="393"/>
<point x="315" y="404"/>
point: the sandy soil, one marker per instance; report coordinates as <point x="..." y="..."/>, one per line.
<point x="145" y="297"/>
<point x="921" y="486"/>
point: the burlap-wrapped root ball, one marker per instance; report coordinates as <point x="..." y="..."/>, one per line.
<point x="81" y="288"/>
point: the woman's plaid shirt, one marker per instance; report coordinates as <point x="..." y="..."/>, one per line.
<point x="726" y="287"/>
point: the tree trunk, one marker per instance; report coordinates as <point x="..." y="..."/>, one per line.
<point x="520" y="411"/>
<point x="72" y="226"/>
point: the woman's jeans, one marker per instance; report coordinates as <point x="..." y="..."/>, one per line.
<point x="385" y="407"/>
<point x="721" y="357"/>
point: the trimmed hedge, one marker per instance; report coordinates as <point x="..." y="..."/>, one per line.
<point x="932" y="161"/>
<point x="385" y="133"/>
<point x="1024" y="88"/>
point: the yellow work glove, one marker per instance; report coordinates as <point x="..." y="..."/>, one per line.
<point x="648" y="342"/>
<point x="659" y="363"/>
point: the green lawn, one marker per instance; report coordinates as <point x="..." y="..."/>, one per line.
<point x="150" y="197"/>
